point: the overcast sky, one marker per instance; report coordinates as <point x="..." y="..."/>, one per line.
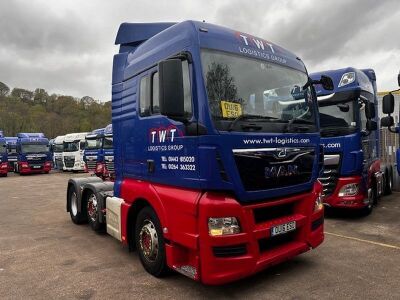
<point x="67" y="47"/>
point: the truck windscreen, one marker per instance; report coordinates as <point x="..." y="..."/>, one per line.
<point x="71" y="146"/>
<point x="58" y="148"/>
<point x="247" y="94"/>
<point x="108" y="142"/>
<point x="94" y="143"/>
<point x="34" y="148"/>
<point x="337" y="118"/>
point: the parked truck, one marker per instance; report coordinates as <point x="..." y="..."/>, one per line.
<point x="208" y="182"/>
<point x="12" y="152"/>
<point x="73" y="147"/>
<point x="388" y="121"/>
<point x="353" y="177"/>
<point x="93" y="154"/>
<point x="33" y="155"/>
<point x="3" y="155"/>
<point x="58" y="148"/>
<point x="108" y="148"/>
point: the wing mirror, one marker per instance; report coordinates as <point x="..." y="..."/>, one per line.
<point x="387" y="121"/>
<point x="369" y="110"/>
<point x="371" y="125"/>
<point x="326" y="82"/>
<point x="388" y="104"/>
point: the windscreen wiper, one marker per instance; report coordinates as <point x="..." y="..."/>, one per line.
<point x="248" y="117"/>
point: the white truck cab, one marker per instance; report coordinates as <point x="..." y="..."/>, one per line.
<point x="58" y="148"/>
<point x="72" y="156"/>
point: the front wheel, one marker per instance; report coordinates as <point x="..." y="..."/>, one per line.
<point x="372" y="199"/>
<point x="78" y="217"/>
<point x="150" y="242"/>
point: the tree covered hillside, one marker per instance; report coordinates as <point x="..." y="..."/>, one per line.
<point x="36" y="111"/>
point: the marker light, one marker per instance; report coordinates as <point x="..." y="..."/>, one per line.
<point x="347" y="78"/>
<point x="350" y="189"/>
<point x="223" y="226"/>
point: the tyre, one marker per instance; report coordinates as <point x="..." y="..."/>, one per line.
<point x="388" y="181"/>
<point x="150" y="242"/>
<point x="372" y="199"/>
<point x="76" y="216"/>
<point x="93" y="212"/>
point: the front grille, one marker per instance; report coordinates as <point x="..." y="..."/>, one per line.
<point x="230" y="251"/>
<point x="69" y="162"/>
<point x="264" y="214"/>
<point x="110" y="166"/>
<point x="329" y="179"/>
<point x="91" y="165"/>
<point x="268" y="244"/>
<point x="274" y="168"/>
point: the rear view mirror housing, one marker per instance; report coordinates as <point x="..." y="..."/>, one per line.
<point x="388" y="104"/>
<point x="371" y="125"/>
<point x="387" y="121"/>
<point x="370" y="110"/>
<point x="398" y="79"/>
<point x="171" y="93"/>
<point x="326" y="82"/>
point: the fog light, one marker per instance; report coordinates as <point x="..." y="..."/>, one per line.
<point x="223" y="226"/>
<point x="319" y="203"/>
<point x="350" y="189"/>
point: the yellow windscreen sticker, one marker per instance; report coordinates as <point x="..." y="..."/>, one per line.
<point x="231" y="109"/>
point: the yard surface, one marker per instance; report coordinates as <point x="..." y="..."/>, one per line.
<point x="43" y="255"/>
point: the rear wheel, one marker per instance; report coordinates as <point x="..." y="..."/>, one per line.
<point x="93" y="213"/>
<point x="388" y="181"/>
<point x="150" y="242"/>
<point x="76" y="216"/>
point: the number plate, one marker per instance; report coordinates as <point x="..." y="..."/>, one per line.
<point x="283" y="228"/>
<point x="36" y="167"/>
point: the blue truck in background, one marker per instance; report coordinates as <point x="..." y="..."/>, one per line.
<point x="3" y="155"/>
<point x="93" y="154"/>
<point x="217" y="153"/>
<point x="388" y="121"/>
<point x="12" y="152"/>
<point x="33" y="153"/>
<point x="353" y="175"/>
<point x="108" y="148"/>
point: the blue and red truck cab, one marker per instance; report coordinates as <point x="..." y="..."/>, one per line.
<point x="12" y="152"/>
<point x="33" y="153"/>
<point x="93" y="155"/>
<point x="3" y="155"/>
<point x="353" y="176"/>
<point x="388" y="120"/>
<point x="217" y="153"/>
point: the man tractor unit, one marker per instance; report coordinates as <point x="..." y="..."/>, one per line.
<point x="217" y="153"/>
<point x="12" y="152"/>
<point x="388" y="121"/>
<point x="3" y="155"/>
<point x="73" y="147"/>
<point x="353" y="175"/>
<point x="93" y="154"/>
<point x="33" y="153"/>
<point x="108" y="148"/>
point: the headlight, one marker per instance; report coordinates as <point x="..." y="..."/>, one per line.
<point x="347" y="78"/>
<point x="350" y="189"/>
<point x="223" y="226"/>
<point x="319" y="203"/>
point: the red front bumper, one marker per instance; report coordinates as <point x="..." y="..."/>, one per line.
<point x="25" y="168"/>
<point x="356" y="202"/>
<point x="222" y="259"/>
<point x="3" y="168"/>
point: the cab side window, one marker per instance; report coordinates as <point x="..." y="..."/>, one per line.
<point x="187" y="92"/>
<point x="144" y="99"/>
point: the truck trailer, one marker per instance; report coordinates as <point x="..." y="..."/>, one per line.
<point x="93" y="155"/>
<point x="73" y="147"/>
<point x="217" y="153"/>
<point x="3" y="155"/>
<point x="353" y="176"/>
<point x="12" y="152"/>
<point x="33" y="153"/>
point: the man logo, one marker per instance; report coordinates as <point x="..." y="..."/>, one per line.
<point x="282" y="153"/>
<point x="281" y="171"/>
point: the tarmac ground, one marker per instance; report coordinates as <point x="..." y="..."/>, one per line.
<point x="43" y="255"/>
